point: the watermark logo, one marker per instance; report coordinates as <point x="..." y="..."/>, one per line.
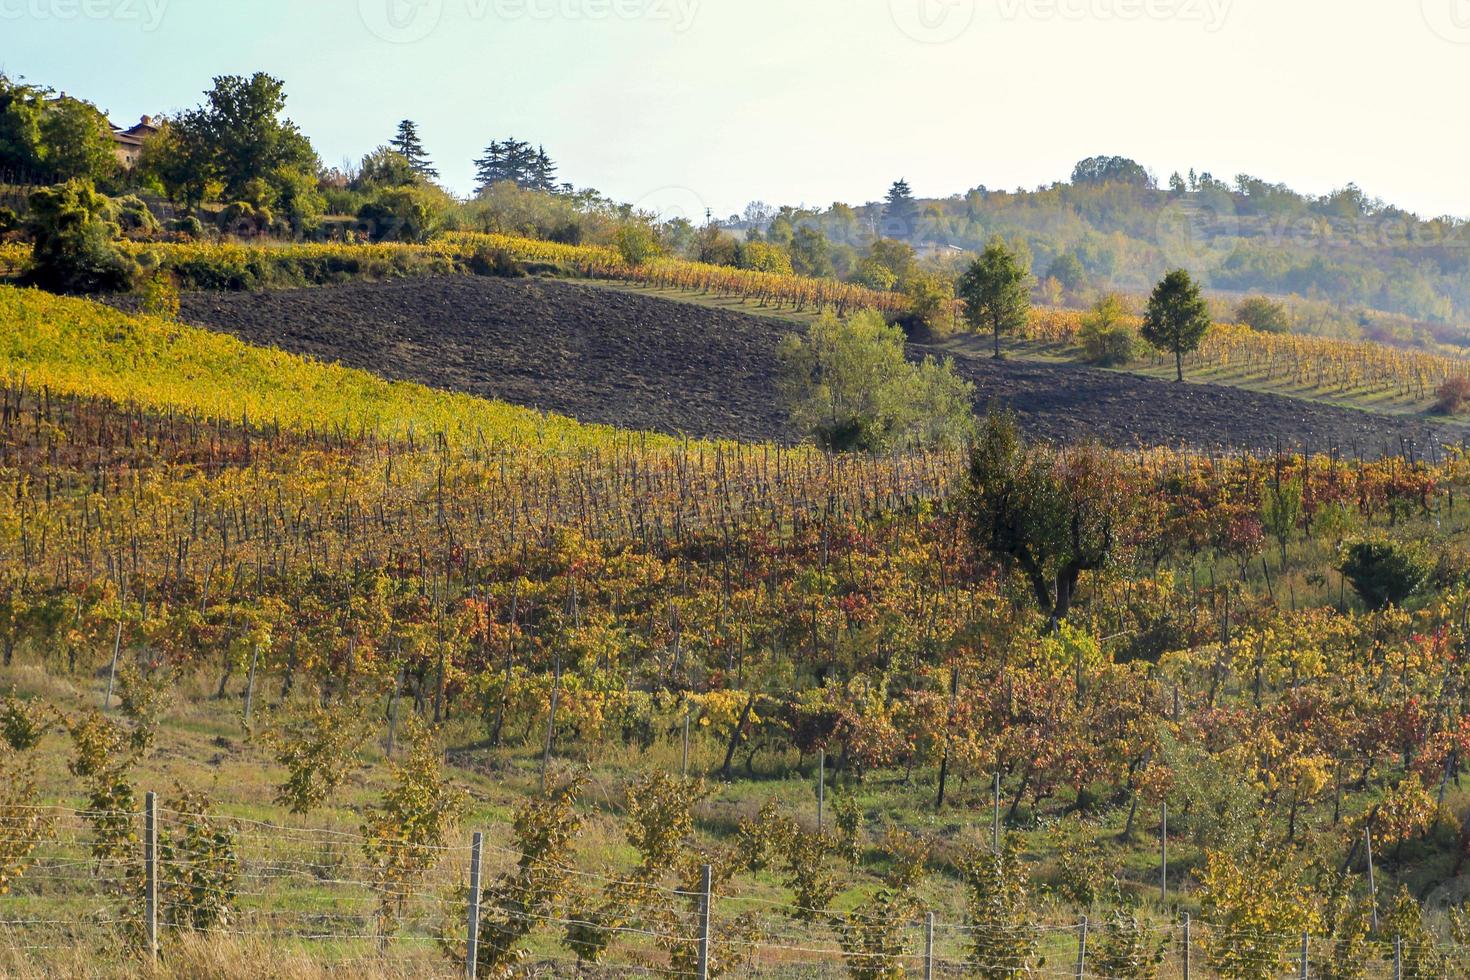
<point x="147" y="14"/>
<point x="409" y="21"/>
<point x="1211" y="14"/>
<point x="933" y="21"/>
<point x="1198" y="231"/>
<point x="1450" y="19"/>
<point x="401" y="21"/>
<point x="673" y="203"/>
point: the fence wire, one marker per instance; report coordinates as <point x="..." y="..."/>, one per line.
<point x="315" y="893"/>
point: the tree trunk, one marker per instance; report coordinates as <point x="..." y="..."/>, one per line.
<point x="1178" y="365"/>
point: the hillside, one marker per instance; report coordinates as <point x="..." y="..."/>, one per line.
<point x="627" y="359"/>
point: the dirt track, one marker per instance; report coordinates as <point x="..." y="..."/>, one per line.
<point x="607" y="355"/>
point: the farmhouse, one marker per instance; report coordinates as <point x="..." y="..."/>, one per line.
<point x="128" y="143"/>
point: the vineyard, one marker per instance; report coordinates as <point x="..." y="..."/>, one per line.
<point x="402" y="618"/>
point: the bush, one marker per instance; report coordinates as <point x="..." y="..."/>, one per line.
<point x="9" y="221"/>
<point x="1384" y="572"/>
<point x="636" y="243"/>
<point x="398" y="215"/>
<point x="74" y="251"/>
<point x="244" y="219"/>
<point x="187" y="225"/>
<point x="1450" y="397"/>
<point x="849" y="387"/>
<point x="1106" y="336"/>
<point x="1263" y="314"/>
<point x="134" y="217"/>
<point x="160" y="296"/>
<point x="488" y="261"/>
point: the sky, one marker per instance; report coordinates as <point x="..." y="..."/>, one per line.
<point x="683" y="105"/>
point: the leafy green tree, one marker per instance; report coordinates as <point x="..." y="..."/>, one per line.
<point x="900" y="212"/>
<point x="408" y="145"/>
<point x="21" y="108"/>
<point x="1263" y="314"/>
<point x="401" y="214"/>
<point x="176" y="159"/>
<point x="385" y="168"/>
<point x="810" y="252"/>
<point x="849" y="386"/>
<point x="636" y="243"/>
<point x="1111" y="170"/>
<point x="1108" y="339"/>
<point x="73" y="233"/>
<point x="996" y="289"/>
<point x="1051" y="515"/>
<point x="1384" y="572"/>
<point x="1281" y="511"/>
<point x="76" y="141"/>
<point x="1177" y="318"/>
<point x="1067" y="270"/>
<point x="238" y="135"/>
<point x="1003" y="936"/>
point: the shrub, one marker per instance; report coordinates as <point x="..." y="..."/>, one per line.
<point x="849" y="387"/>
<point x="1263" y="314"/>
<point x="160" y="296"/>
<point x="244" y="219"/>
<point x="486" y="260"/>
<point x="187" y="225"/>
<point x="9" y="221"/>
<point x="1384" y="572"/>
<point x="73" y="234"/>
<point x="398" y="215"/>
<point x="636" y="243"/>
<point x="1106" y="336"/>
<point x="134" y="217"/>
<point x="1450" y="397"/>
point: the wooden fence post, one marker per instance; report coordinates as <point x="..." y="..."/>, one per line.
<point x="821" y="786"/>
<point x="1398" y="957"/>
<point x="1082" y="948"/>
<point x="1164" y="854"/>
<point x="684" y="763"/>
<point x="250" y="685"/>
<point x="929" y="946"/>
<point x="705" y="873"/>
<point x="472" y="929"/>
<point x="1186" y="945"/>
<point x="150" y="875"/>
<point x="1306" y="947"/>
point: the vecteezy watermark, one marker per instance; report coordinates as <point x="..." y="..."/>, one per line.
<point x="408" y="21"/>
<point x="933" y="21"/>
<point x="1198" y="231"/>
<point x="673" y="203"/>
<point x="1450" y="19"/>
<point x="148" y="14"/>
<point x="1210" y="13"/>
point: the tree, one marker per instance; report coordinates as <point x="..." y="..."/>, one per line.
<point x="76" y="141"/>
<point x="849" y="386"/>
<point x="1067" y="270"/>
<point x="996" y="290"/>
<point x="518" y="162"/>
<point x="1384" y="572"/>
<point x="179" y="164"/>
<point x="1281" y="511"/>
<point x="1051" y="514"/>
<point x="1263" y="314"/>
<point x="900" y="213"/>
<point x="1108" y="339"/>
<point x="1111" y="170"/>
<point x="1177" y="318"/>
<point x="73" y="232"/>
<point x="408" y="145"/>
<point x="385" y="168"/>
<point x="21" y="108"/>
<point x="239" y="136"/>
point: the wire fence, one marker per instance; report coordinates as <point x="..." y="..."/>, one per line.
<point x="150" y="885"/>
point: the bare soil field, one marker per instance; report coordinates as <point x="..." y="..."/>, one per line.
<point x="612" y="356"/>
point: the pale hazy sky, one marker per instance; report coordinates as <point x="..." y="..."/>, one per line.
<point x="682" y="104"/>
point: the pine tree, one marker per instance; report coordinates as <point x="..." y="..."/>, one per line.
<point x="411" y="148"/>
<point x="1177" y="318"/>
<point x="545" y="171"/>
<point x="490" y="169"/>
<point x="901" y="213"/>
